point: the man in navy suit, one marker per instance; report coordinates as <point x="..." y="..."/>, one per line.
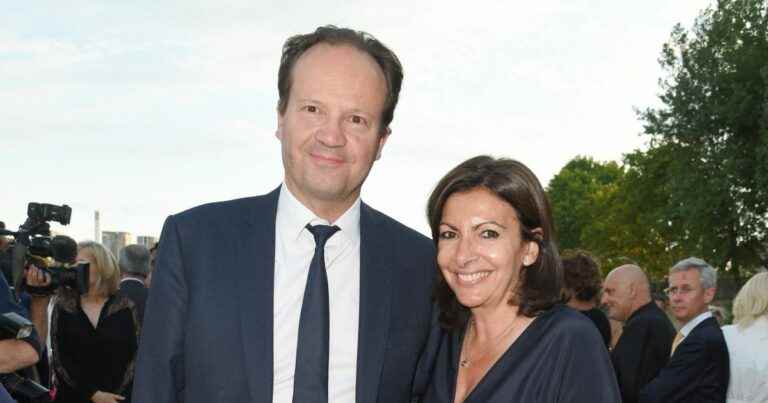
<point x="698" y="370"/>
<point x="225" y="313"/>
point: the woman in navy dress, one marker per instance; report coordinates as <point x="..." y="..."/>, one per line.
<point x="503" y="334"/>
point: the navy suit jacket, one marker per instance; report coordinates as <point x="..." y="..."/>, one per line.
<point x="698" y="371"/>
<point x="207" y="333"/>
<point x="136" y="292"/>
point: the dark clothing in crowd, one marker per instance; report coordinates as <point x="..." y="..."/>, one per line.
<point x="137" y="292"/>
<point x="642" y="350"/>
<point x="4" y="396"/>
<point x="88" y="359"/>
<point x="558" y="358"/>
<point x="8" y="304"/>
<point x="601" y="321"/>
<point x="698" y="371"/>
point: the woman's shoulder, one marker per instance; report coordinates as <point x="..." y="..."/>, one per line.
<point x="568" y="324"/>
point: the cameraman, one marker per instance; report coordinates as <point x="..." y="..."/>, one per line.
<point x="14" y="353"/>
<point x="94" y="336"/>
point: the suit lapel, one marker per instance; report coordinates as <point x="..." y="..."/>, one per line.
<point x="255" y="290"/>
<point x="375" y="293"/>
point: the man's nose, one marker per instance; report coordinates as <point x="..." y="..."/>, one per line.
<point x="331" y="134"/>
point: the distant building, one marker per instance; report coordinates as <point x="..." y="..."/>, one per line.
<point x="96" y="225"/>
<point x="146" y="240"/>
<point x="115" y="241"/>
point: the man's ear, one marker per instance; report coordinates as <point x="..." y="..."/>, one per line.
<point x="709" y="294"/>
<point x="383" y="137"/>
<point x="632" y="290"/>
<point x="279" y="130"/>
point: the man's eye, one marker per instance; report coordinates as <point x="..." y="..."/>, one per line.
<point x="489" y="234"/>
<point x="358" y="120"/>
<point x="310" y="108"/>
<point x="447" y="235"/>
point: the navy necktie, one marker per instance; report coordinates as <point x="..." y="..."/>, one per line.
<point x="310" y="378"/>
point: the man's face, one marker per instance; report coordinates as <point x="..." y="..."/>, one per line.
<point x="617" y="296"/>
<point x="330" y="131"/>
<point x="686" y="296"/>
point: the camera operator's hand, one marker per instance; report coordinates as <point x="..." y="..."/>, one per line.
<point x="38" y="307"/>
<point x="37" y="277"/>
<point x="106" y="397"/>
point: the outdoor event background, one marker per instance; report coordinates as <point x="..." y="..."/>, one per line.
<point x="142" y="109"/>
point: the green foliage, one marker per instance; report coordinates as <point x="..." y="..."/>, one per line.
<point x="714" y="127"/>
<point x="611" y="212"/>
<point x="701" y="187"/>
<point x="573" y="192"/>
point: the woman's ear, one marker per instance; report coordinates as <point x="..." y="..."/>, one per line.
<point x="532" y="249"/>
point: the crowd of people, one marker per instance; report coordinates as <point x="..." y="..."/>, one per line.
<point x="309" y="295"/>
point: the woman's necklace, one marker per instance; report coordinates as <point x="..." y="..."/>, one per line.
<point x="468" y="360"/>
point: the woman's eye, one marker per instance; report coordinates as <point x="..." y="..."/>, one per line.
<point x="310" y="108"/>
<point x="447" y="235"/>
<point x="489" y="234"/>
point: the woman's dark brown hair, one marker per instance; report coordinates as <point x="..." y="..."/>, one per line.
<point x="582" y="276"/>
<point x="539" y="287"/>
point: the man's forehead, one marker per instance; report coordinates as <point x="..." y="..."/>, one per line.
<point x="685" y="276"/>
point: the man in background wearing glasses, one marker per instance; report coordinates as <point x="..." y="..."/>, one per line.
<point x="698" y="369"/>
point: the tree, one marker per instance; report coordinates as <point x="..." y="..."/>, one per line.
<point x="573" y="192"/>
<point x="613" y="212"/>
<point x="713" y="130"/>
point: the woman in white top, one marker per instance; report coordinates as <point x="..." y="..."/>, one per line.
<point x="747" y="341"/>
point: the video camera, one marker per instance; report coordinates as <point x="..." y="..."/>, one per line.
<point x="56" y="255"/>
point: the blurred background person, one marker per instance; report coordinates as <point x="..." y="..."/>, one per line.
<point x="152" y="258"/>
<point x="582" y="290"/>
<point x="15" y="353"/>
<point x="747" y="341"/>
<point x="134" y="268"/>
<point x="719" y="313"/>
<point x="504" y="334"/>
<point x="94" y="336"/>
<point x="661" y="299"/>
<point x="646" y="338"/>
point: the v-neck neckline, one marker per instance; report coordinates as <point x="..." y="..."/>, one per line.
<point x="515" y="348"/>
<point x="102" y="313"/>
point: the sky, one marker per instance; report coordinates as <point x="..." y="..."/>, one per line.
<point x="143" y="109"/>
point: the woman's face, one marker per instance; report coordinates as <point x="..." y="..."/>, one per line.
<point x="480" y="250"/>
<point x="93" y="272"/>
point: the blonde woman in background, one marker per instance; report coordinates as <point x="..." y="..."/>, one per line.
<point x="94" y="336"/>
<point x="747" y="341"/>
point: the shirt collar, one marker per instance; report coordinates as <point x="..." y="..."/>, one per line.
<point x="131" y="279"/>
<point x="695" y="322"/>
<point x="293" y="217"/>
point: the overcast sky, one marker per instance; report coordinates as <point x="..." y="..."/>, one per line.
<point x="143" y="108"/>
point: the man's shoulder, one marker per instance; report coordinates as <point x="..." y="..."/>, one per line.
<point x="709" y="331"/>
<point x="132" y="286"/>
<point x="394" y="227"/>
<point x="229" y="211"/>
<point x="652" y="317"/>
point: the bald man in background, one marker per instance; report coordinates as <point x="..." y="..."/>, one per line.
<point x="645" y="344"/>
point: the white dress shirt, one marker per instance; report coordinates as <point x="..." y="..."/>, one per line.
<point x="748" y="351"/>
<point x="294" y="248"/>
<point x="686" y="329"/>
